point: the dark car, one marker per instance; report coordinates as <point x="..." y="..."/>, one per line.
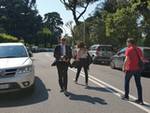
<point x="118" y="60"/>
<point x="29" y="52"/>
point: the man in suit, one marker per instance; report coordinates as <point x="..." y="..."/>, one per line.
<point x="63" y="54"/>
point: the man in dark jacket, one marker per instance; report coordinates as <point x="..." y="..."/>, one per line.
<point x="63" y="54"/>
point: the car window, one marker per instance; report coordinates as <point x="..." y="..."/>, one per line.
<point x="122" y="51"/>
<point x="147" y="53"/>
<point x="12" y="51"/>
<point x="93" y="48"/>
<point x="105" y="48"/>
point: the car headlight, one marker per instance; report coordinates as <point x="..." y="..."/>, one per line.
<point x="26" y="69"/>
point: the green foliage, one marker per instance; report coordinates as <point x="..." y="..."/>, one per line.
<point x="122" y="25"/>
<point x="7" y="38"/>
<point x="53" y="21"/>
<point x="116" y="20"/>
<point x="20" y="18"/>
<point x="44" y="37"/>
<point x="147" y="42"/>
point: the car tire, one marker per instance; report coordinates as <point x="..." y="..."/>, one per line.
<point x="94" y="60"/>
<point x="112" y="65"/>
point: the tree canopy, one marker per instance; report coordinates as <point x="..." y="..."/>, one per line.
<point x="73" y="5"/>
<point x="116" y="20"/>
<point x="20" y="18"/>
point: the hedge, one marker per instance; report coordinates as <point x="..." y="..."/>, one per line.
<point x="7" y="38"/>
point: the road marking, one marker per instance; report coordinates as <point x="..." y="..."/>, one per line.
<point x="114" y="90"/>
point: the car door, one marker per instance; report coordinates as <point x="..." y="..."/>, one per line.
<point x="121" y="58"/>
<point x="116" y="60"/>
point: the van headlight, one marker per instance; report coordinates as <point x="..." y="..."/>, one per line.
<point x="23" y="70"/>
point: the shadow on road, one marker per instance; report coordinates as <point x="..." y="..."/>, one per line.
<point x="86" y="98"/>
<point x="98" y="89"/>
<point x="23" y="98"/>
<point x="106" y="89"/>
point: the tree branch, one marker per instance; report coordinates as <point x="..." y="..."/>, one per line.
<point x="66" y="4"/>
<point x="83" y="11"/>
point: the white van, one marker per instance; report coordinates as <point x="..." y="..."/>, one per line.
<point x="16" y="68"/>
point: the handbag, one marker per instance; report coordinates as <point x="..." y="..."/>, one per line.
<point x="89" y="59"/>
<point x="75" y="64"/>
<point x="140" y="62"/>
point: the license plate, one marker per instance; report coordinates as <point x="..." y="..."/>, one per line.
<point x="4" y="86"/>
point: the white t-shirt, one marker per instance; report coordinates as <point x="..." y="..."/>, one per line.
<point x="82" y="53"/>
<point x="63" y="50"/>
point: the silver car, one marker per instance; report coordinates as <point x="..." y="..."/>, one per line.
<point x="16" y="68"/>
<point x="118" y="60"/>
<point x="101" y="53"/>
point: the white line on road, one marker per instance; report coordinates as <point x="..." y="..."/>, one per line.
<point x="114" y="90"/>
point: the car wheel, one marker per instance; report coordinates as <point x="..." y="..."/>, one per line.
<point x="94" y="60"/>
<point x="112" y="65"/>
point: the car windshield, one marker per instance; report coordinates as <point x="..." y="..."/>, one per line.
<point x="147" y="53"/>
<point x="12" y="52"/>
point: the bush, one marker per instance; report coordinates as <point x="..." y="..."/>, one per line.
<point x="7" y="38"/>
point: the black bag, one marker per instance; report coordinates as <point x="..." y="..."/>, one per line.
<point x="140" y="62"/>
<point x="54" y="63"/>
<point x="89" y="59"/>
<point x="75" y="64"/>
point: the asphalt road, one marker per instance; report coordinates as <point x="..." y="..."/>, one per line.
<point x="102" y="95"/>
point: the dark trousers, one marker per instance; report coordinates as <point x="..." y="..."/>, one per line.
<point x="82" y="63"/>
<point x="137" y="76"/>
<point x="62" y="68"/>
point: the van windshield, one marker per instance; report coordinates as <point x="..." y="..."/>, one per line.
<point x="147" y="53"/>
<point x="12" y="52"/>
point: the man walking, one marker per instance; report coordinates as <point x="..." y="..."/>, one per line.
<point x="63" y="54"/>
<point x="132" y="68"/>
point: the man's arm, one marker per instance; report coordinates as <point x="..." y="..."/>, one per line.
<point x="125" y="63"/>
<point x="56" y="52"/>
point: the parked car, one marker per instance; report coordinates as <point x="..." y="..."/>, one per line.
<point x="101" y="53"/>
<point x="29" y="52"/>
<point x="34" y="49"/>
<point x="16" y="68"/>
<point x="118" y="60"/>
